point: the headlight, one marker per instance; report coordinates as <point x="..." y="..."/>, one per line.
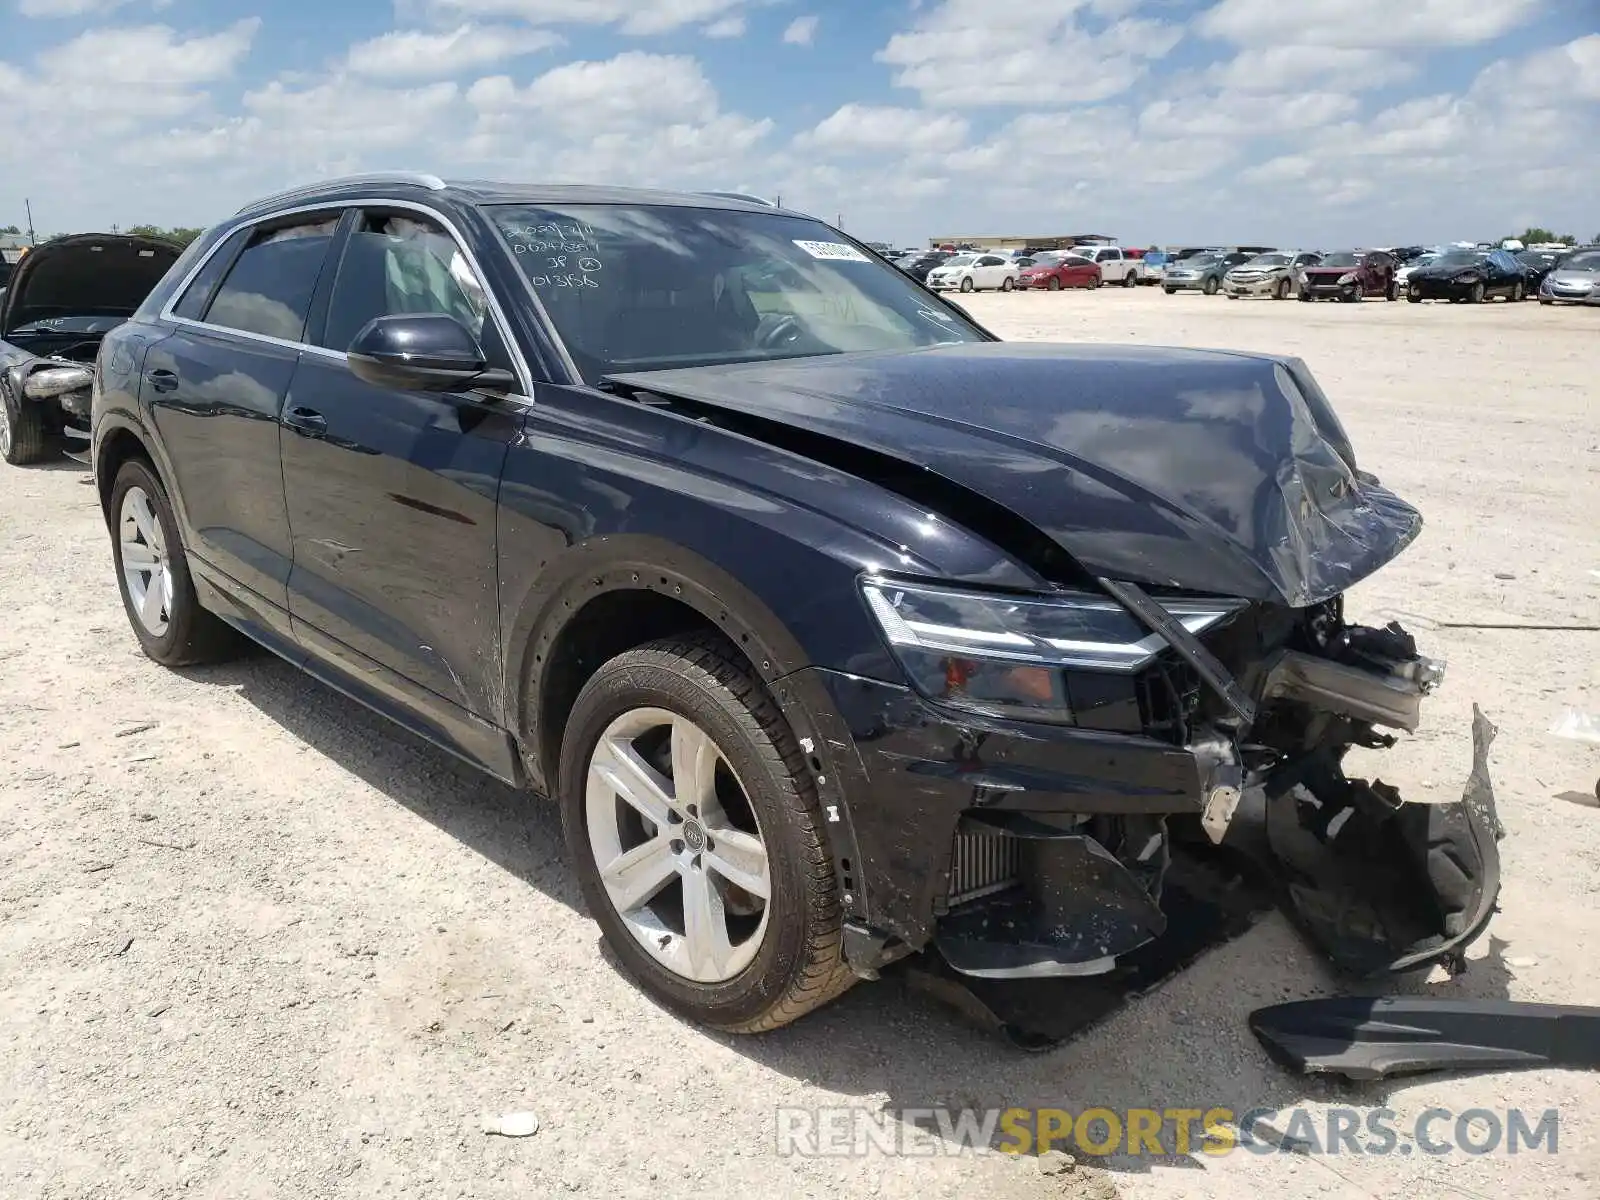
<point x="1007" y="654"/>
<point x="1347" y="277"/>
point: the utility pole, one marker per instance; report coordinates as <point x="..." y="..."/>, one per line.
<point x="28" y="204"/>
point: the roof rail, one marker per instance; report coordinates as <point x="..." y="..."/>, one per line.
<point x="745" y="196"/>
<point x="416" y="178"/>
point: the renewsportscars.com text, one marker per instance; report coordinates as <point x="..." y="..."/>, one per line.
<point x="1217" y="1130"/>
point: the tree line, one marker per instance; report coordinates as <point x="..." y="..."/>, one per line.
<point x="182" y="234"/>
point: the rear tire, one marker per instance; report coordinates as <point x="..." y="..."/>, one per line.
<point x="1131" y="279"/>
<point x="1171" y="291"/>
<point x="763" y="794"/>
<point x="23" y="438"/>
<point x="1211" y="287"/>
<point x="1055" y="283"/>
<point x="1518" y="293"/>
<point x="1281" y="292"/>
<point x="1392" y="293"/>
<point x="1007" y="284"/>
<point x="171" y="626"/>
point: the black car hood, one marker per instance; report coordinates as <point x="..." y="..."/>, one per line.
<point x="1449" y="272"/>
<point x="100" y="274"/>
<point x="1206" y="470"/>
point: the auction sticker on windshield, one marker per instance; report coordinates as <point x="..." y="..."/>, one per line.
<point x="832" y="251"/>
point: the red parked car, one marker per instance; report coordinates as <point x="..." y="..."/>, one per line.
<point x="1351" y="275"/>
<point x="1058" y="270"/>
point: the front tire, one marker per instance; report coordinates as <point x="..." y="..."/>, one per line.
<point x="685" y="797"/>
<point x="1413" y="296"/>
<point x="1055" y="284"/>
<point x="1211" y="287"/>
<point x="153" y="575"/>
<point x="1392" y="292"/>
<point x="967" y="285"/>
<point x="1518" y="293"/>
<point x="1171" y="291"/>
<point x="1476" y="295"/>
<point x="1281" y="292"/>
<point x="23" y="437"/>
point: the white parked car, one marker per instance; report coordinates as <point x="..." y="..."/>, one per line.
<point x="1277" y="274"/>
<point x="975" y="273"/>
<point x="1116" y="264"/>
<point x="1404" y="273"/>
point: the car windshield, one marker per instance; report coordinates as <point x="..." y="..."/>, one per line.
<point x="1268" y="260"/>
<point x="961" y="260"/>
<point x="1538" y="258"/>
<point x="1341" y="258"/>
<point x="637" y="288"/>
<point x="1459" y="258"/>
<point x="1202" y="260"/>
<point x="1589" y="260"/>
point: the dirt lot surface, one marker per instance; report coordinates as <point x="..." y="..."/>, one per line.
<point x="254" y="942"/>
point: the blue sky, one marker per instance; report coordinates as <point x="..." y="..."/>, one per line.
<point x="1311" y="122"/>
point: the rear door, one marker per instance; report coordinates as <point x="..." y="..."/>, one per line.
<point x="215" y="388"/>
<point x="392" y="495"/>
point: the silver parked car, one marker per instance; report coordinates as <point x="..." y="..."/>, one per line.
<point x="1576" y="279"/>
<point x="1201" y="272"/>
<point x="1276" y="273"/>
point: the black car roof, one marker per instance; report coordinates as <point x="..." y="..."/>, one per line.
<point x="412" y="186"/>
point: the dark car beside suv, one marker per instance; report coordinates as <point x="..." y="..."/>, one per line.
<point x="1469" y="277"/>
<point x="698" y="517"/>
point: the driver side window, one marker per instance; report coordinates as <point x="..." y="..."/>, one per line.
<point x="401" y="263"/>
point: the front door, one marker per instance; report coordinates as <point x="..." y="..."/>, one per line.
<point x="393" y="495"/>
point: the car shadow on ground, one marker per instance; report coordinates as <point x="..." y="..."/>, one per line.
<point x="516" y="830"/>
<point x="890" y="1046"/>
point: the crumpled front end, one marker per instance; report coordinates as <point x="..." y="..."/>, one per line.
<point x="1059" y="847"/>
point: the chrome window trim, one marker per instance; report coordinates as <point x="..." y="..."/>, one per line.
<point x="524" y="375"/>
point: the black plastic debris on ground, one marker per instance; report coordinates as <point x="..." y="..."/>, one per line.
<point x="1363" y="1038"/>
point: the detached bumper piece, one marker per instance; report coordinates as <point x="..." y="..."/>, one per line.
<point x="1371" y="1039"/>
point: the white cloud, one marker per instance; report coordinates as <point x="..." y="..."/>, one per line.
<point x="1360" y="24"/>
<point x="67" y="8"/>
<point x="418" y="54"/>
<point x="1283" y="66"/>
<point x="634" y="90"/>
<point x="1242" y="115"/>
<point x="869" y="129"/>
<point x="640" y="17"/>
<point x="801" y="31"/>
<point x="726" y="27"/>
<point x="968" y="53"/>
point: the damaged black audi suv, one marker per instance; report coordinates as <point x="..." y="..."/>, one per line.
<point x="839" y="629"/>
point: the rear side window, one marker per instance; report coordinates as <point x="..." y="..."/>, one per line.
<point x="192" y="304"/>
<point x="401" y="264"/>
<point x="269" y="289"/>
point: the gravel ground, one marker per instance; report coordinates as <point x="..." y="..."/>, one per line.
<point x="254" y="942"/>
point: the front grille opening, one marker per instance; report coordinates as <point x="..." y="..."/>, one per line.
<point x="1169" y="697"/>
<point x="982" y="864"/>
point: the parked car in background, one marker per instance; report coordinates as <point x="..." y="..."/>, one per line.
<point x="1536" y="264"/>
<point x="918" y="265"/>
<point x="1276" y="274"/>
<point x="975" y="273"/>
<point x="1202" y="272"/>
<point x="64" y="297"/>
<point x="1576" y="280"/>
<point x="1469" y="276"/>
<point x="835" y="628"/>
<point x="1155" y="266"/>
<point x="1351" y="275"/>
<point x="1057" y="269"/>
<point x="1116" y="265"/>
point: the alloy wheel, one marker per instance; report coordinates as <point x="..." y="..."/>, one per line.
<point x="677" y="845"/>
<point x="142" y="549"/>
<point x="5" y="430"/>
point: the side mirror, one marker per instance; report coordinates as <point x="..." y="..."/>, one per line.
<point x="422" y="352"/>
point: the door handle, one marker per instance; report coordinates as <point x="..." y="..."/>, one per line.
<point x="163" y="380"/>
<point x="306" y="422"/>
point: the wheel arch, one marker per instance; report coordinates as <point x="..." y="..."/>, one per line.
<point x="118" y="439"/>
<point x="623" y="591"/>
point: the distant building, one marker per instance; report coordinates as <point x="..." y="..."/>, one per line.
<point x="1057" y="241"/>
